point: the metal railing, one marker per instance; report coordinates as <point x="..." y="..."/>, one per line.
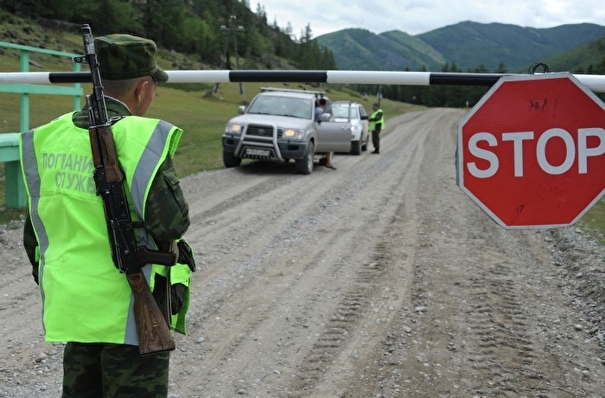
<point x="9" y="142"/>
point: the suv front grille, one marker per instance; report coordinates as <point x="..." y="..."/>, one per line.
<point x="259" y="130"/>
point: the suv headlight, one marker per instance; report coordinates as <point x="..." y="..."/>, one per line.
<point x="234" y="128"/>
<point x="292" y="133"/>
<point x="353" y="131"/>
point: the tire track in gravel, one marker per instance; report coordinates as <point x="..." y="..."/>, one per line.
<point x="305" y="288"/>
<point x="368" y="378"/>
<point x="379" y="286"/>
<point x="285" y="220"/>
<point x="504" y="345"/>
<point x="380" y="279"/>
<point x="483" y="284"/>
<point x="473" y="328"/>
<point x="341" y="326"/>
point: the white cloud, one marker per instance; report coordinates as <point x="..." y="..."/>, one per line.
<point x="416" y="16"/>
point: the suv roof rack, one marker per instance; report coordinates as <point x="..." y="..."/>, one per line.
<point x="292" y="90"/>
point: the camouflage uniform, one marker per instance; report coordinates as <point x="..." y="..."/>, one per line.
<point x="116" y="370"/>
<point x="128" y="57"/>
<point x="125" y="372"/>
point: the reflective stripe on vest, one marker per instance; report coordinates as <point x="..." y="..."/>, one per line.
<point x="84" y="297"/>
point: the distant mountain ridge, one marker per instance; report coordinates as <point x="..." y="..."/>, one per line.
<point x="468" y="45"/>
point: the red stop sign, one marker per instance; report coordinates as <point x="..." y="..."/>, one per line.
<point x="531" y="153"/>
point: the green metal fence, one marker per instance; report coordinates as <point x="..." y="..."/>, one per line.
<point x="9" y="141"/>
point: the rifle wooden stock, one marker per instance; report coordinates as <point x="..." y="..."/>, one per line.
<point x="154" y="334"/>
<point x="104" y="152"/>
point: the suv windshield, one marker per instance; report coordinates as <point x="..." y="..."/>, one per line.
<point x="281" y="106"/>
<point x="340" y="112"/>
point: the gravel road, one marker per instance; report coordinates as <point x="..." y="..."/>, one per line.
<point x="378" y="279"/>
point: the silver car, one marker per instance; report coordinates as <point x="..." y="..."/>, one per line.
<point x="355" y="115"/>
<point x="280" y="125"/>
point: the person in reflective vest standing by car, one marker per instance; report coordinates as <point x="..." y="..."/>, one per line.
<point x="376" y="125"/>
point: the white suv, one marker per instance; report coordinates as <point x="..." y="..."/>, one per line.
<point x="355" y="115"/>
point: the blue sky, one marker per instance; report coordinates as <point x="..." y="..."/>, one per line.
<point x="420" y="16"/>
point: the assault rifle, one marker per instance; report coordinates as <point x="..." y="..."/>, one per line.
<point x="152" y="329"/>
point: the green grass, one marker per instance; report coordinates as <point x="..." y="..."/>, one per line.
<point x="593" y="222"/>
<point x="201" y="116"/>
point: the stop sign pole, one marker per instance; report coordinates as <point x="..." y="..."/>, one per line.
<point x="531" y="153"/>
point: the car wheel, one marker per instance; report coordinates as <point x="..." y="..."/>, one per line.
<point x="305" y="165"/>
<point x="364" y="147"/>
<point x="355" y="147"/>
<point x="230" y="160"/>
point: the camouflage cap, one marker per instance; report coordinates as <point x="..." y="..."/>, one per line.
<point x="124" y="57"/>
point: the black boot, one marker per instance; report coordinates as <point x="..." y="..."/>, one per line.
<point x="376" y="151"/>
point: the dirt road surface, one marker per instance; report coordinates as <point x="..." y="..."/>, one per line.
<point x="378" y="279"/>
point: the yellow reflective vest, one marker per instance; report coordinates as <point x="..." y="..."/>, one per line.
<point x="373" y="123"/>
<point x="84" y="296"/>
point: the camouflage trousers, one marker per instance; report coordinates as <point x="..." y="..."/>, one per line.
<point x="376" y="139"/>
<point x="113" y="371"/>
